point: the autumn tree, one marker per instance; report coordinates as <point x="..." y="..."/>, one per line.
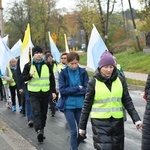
<point x="42" y="16"/>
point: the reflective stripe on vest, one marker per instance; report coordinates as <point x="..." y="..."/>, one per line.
<point x="107" y="103"/>
<point x="37" y="83"/>
<point x="11" y="76"/>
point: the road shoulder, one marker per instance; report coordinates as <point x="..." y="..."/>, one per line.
<point x="11" y="139"/>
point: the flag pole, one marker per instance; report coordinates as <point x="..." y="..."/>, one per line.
<point x="49" y="40"/>
<point x="66" y="44"/>
<point x="31" y="55"/>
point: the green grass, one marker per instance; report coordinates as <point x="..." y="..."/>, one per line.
<point x="83" y="58"/>
<point x="135" y="82"/>
<point x="134" y="61"/>
<point x="131" y="61"/>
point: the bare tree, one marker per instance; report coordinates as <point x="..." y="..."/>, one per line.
<point x="134" y="25"/>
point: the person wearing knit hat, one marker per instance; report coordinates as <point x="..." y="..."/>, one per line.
<point x="48" y="56"/>
<point x="41" y="83"/>
<point x="52" y="65"/>
<point x="36" y="50"/>
<point x="106" y="64"/>
<point x="106" y="59"/>
<point x="106" y="95"/>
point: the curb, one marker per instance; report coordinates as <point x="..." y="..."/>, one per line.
<point x="136" y="87"/>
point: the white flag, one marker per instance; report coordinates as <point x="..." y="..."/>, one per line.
<point x="95" y="49"/>
<point x="54" y="50"/>
<point x="16" y="49"/>
<point x="5" y="39"/>
<point x="5" y="55"/>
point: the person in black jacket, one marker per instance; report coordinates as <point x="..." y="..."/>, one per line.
<point x="41" y="84"/>
<point x="52" y="64"/>
<point x="1" y="86"/>
<point x="146" y="119"/>
<point x="106" y="94"/>
<point x="22" y="87"/>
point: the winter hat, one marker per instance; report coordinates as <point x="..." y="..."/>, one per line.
<point x="36" y="49"/>
<point x="48" y="55"/>
<point x="106" y="59"/>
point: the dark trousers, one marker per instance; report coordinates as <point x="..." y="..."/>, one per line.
<point x="27" y="104"/>
<point x="1" y="92"/>
<point x="23" y="103"/>
<point x="53" y="104"/>
<point x="1" y="89"/>
<point x="39" y="103"/>
<point x="13" y="90"/>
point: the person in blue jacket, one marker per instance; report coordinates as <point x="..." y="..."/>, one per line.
<point x="72" y="86"/>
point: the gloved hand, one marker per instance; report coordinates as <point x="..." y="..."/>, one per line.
<point x="138" y="124"/>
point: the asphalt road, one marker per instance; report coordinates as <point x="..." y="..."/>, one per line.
<point x="57" y="136"/>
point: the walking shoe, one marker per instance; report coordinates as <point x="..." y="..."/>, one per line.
<point x="40" y="136"/>
<point x="43" y="134"/>
<point x="30" y="123"/>
<point x="20" y="109"/>
<point x="14" y="108"/>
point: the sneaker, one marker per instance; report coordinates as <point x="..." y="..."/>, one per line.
<point x="43" y="134"/>
<point x="14" y="108"/>
<point x="20" y="109"/>
<point x="40" y="136"/>
<point x="30" y="123"/>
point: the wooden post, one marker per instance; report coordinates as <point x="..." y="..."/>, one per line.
<point x="1" y="20"/>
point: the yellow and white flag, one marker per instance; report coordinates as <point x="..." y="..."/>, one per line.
<point x="26" y="45"/>
<point x="66" y="44"/>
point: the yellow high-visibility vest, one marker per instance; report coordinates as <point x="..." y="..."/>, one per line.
<point x="57" y="68"/>
<point x="11" y="76"/>
<point x="118" y="66"/>
<point x="37" y="83"/>
<point x="107" y="103"/>
<point x="4" y="81"/>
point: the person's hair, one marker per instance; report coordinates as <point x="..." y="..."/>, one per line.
<point x="47" y="51"/>
<point x="13" y="60"/>
<point x="73" y="55"/>
<point x="65" y="53"/>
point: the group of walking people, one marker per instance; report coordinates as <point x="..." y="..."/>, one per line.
<point x="102" y="97"/>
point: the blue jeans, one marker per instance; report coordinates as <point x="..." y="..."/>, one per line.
<point x="73" y="118"/>
<point x="28" y="104"/>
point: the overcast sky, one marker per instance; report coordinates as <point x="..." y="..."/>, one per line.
<point x="71" y="3"/>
